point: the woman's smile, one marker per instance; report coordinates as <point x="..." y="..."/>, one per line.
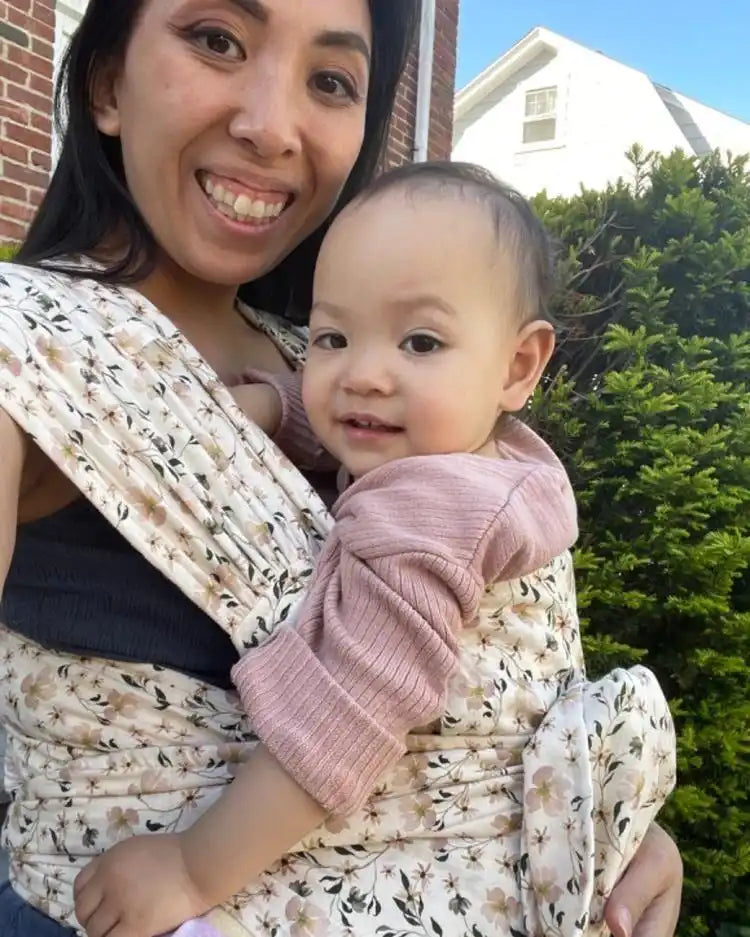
<point x="254" y="208"/>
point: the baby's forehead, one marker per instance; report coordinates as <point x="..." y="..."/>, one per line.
<point x="452" y="223"/>
<point x="423" y="198"/>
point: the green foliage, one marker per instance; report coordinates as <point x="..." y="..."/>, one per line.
<point x="647" y="401"/>
<point x="7" y="251"/>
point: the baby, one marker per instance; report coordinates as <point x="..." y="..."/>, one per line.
<point x="425" y="723"/>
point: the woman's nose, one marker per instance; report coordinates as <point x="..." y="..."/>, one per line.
<point x="270" y="112"/>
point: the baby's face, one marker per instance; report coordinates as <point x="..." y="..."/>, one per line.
<point x="413" y="331"/>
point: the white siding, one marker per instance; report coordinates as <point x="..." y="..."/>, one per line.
<point x="604" y="107"/>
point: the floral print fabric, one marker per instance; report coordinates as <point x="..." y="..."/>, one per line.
<point x="517" y="810"/>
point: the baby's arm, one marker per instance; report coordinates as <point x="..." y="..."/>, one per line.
<point x="261" y="816"/>
<point x="373" y="647"/>
<point x="148" y="885"/>
<point x="261" y="404"/>
<point x="274" y="403"/>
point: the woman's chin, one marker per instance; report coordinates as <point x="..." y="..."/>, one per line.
<point x="225" y="268"/>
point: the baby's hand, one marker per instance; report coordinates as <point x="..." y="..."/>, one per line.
<point x="261" y="404"/>
<point x="139" y="888"/>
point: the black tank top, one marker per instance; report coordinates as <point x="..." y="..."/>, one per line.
<point x="75" y="584"/>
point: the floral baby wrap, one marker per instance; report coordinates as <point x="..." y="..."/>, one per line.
<point x="516" y="811"/>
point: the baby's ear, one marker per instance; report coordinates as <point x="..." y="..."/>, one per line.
<point x="533" y="349"/>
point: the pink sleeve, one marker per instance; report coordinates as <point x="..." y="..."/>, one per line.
<point x="294" y="435"/>
<point x="375" y="643"/>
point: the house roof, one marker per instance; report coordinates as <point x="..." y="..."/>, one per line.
<point x="534" y="42"/>
<point x="540" y="40"/>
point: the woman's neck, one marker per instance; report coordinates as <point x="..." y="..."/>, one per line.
<point x="207" y="316"/>
<point x="192" y="305"/>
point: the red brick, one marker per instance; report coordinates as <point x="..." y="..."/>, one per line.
<point x="14" y="112"/>
<point x="26" y="21"/>
<point x="39" y="102"/>
<point x="42" y="123"/>
<point x="14" y="73"/>
<point x="44" y="12"/>
<point x="13" y="190"/>
<point x="35" y="64"/>
<point x="42" y="47"/>
<point x="13" y="150"/>
<point x="16" y="210"/>
<point x="11" y="232"/>
<point x="40" y="159"/>
<point x="24" y="174"/>
<point x="40" y="85"/>
<point x="25" y="136"/>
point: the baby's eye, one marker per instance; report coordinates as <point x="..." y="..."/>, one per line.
<point x="421" y="344"/>
<point x="330" y="341"/>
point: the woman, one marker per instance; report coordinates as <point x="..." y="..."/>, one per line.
<point x="208" y="142"/>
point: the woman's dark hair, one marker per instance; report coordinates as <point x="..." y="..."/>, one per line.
<point x="87" y="198"/>
<point x="516" y="227"/>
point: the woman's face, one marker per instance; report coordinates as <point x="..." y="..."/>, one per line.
<point x="239" y="121"/>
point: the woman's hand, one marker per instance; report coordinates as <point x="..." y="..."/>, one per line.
<point x="646" y="900"/>
<point x="138" y="888"/>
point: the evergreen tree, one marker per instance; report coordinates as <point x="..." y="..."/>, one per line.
<point x="647" y="402"/>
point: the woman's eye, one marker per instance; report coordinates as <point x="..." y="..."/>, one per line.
<point x="421" y="344"/>
<point x="220" y="43"/>
<point x="330" y="341"/>
<point x="335" y="86"/>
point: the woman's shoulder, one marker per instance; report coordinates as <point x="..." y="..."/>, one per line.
<point x="44" y="288"/>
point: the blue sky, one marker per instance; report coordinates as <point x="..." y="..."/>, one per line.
<point x="698" y="47"/>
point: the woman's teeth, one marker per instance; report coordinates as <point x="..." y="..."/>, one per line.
<point x="241" y="207"/>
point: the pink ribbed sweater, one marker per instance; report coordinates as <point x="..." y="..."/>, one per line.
<point x="375" y="641"/>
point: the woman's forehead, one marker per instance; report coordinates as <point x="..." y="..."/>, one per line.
<point x="325" y="15"/>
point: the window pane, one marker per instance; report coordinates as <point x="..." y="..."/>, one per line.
<point x="541" y="102"/>
<point x="539" y="131"/>
<point x="532" y="103"/>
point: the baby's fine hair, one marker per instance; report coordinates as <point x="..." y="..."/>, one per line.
<point x="517" y="228"/>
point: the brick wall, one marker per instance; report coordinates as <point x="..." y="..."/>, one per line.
<point x="27" y="37"/>
<point x="401" y="146"/>
<point x="27" y="34"/>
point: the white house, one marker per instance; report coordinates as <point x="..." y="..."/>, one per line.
<point x="552" y="114"/>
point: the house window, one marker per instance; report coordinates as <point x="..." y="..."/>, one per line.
<point x="540" y="115"/>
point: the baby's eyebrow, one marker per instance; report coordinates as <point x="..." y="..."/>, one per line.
<point x="330" y="309"/>
<point x="425" y="301"/>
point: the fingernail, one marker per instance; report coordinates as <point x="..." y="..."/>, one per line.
<point x="624" y="922"/>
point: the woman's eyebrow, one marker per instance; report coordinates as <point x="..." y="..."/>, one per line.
<point x="344" y="39"/>
<point x="254" y="8"/>
<point x="333" y="38"/>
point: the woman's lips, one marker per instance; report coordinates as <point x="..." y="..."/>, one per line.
<point x="253" y="207"/>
